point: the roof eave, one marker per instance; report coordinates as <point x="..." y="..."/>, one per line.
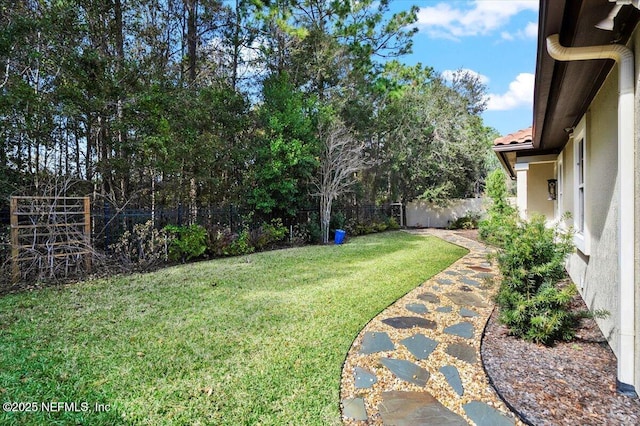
<point x="564" y="90"/>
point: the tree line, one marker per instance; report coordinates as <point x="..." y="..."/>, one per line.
<point x="275" y="105"/>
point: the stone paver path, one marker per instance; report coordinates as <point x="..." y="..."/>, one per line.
<point x="418" y="362"/>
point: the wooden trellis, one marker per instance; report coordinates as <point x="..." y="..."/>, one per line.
<point x="50" y="235"/>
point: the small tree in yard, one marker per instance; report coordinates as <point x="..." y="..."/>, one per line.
<point x="342" y="156"/>
<point x="501" y="219"/>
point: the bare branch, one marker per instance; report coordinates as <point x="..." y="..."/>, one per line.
<point x="343" y="156"/>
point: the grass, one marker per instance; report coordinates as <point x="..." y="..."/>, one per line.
<point x="258" y="339"/>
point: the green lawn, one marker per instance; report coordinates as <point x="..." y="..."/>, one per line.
<point x="258" y="339"/>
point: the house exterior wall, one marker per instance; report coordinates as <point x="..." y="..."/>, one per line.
<point x="635" y="46"/>
<point x="538" y="191"/>
<point x="594" y="269"/>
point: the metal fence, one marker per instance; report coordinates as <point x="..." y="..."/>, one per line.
<point x="109" y="223"/>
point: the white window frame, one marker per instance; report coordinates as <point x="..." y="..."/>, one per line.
<point x="581" y="237"/>
<point x="560" y="191"/>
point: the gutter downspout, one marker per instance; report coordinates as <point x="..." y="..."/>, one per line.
<point x="626" y="197"/>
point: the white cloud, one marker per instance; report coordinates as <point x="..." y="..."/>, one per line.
<point x="484" y="17"/>
<point x="507" y="36"/>
<point x="448" y="75"/>
<point x="520" y="94"/>
<point x="531" y="30"/>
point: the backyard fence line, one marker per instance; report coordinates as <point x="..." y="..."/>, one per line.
<point x="109" y="223"/>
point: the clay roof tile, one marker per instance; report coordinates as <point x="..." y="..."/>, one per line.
<point x="519" y="137"/>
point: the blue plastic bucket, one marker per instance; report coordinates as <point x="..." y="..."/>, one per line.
<point x="340" y="234"/>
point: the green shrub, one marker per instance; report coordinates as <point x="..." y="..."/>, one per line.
<point x="313" y="229"/>
<point x="469" y="221"/>
<point x="219" y="238"/>
<point x="501" y="219"/>
<point x="532" y="263"/>
<point x="189" y="242"/>
<point x="351" y="227"/>
<point x="240" y="245"/>
<point x="534" y="254"/>
<point x="543" y="317"/>
<point x="268" y="234"/>
<point x="392" y="224"/>
<point x="380" y="227"/>
<point x="338" y="220"/>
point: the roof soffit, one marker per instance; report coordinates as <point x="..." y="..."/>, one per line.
<point x="564" y="90"/>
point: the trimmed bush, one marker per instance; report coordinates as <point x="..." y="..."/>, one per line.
<point x="189" y="242"/>
<point x="392" y="224"/>
<point x="531" y="303"/>
<point x="240" y="245"/>
<point x="469" y="221"/>
<point x="268" y="235"/>
<point x="534" y="254"/>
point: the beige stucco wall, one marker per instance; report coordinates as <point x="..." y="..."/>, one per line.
<point x="422" y="213"/>
<point x="596" y="274"/>
<point x="537" y="189"/>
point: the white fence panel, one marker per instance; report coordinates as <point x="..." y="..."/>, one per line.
<point x="425" y="214"/>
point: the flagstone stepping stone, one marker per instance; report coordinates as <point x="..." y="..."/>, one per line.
<point x="364" y="378"/>
<point x="480" y="268"/>
<point x="466" y="299"/>
<point x="353" y="408"/>
<point x="485" y="415"/>
<point x="409" y="322"/>
<point x="467" y="313"/>
<point x="463" y="329"/>
<point x="444" y="309"/>
<point x="470" y="281"/>
<point x="452" y="375"/>
<point x="444" y="281"/>
<point x="417" y="308"/>
<point x="376" y="342"/>
<point x="484" y="277"/>
<point x="451" y="272"/>
<point x="416" y="409"/>
<point x="420" y="346"/>
<point x="429" y="297"/>
<point x="406" y="370"/>
<point x="463" y="352"/>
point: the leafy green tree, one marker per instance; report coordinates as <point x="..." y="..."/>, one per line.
<point x="286" y="156"/>
<point x="431" y="143"/>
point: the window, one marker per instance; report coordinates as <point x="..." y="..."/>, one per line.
<point x="560" y="191"/>
<point x="581" y="182"/>
<point x="580" y="185"/>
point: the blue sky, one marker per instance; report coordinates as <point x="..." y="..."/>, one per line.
<point x="494" y="38"/>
